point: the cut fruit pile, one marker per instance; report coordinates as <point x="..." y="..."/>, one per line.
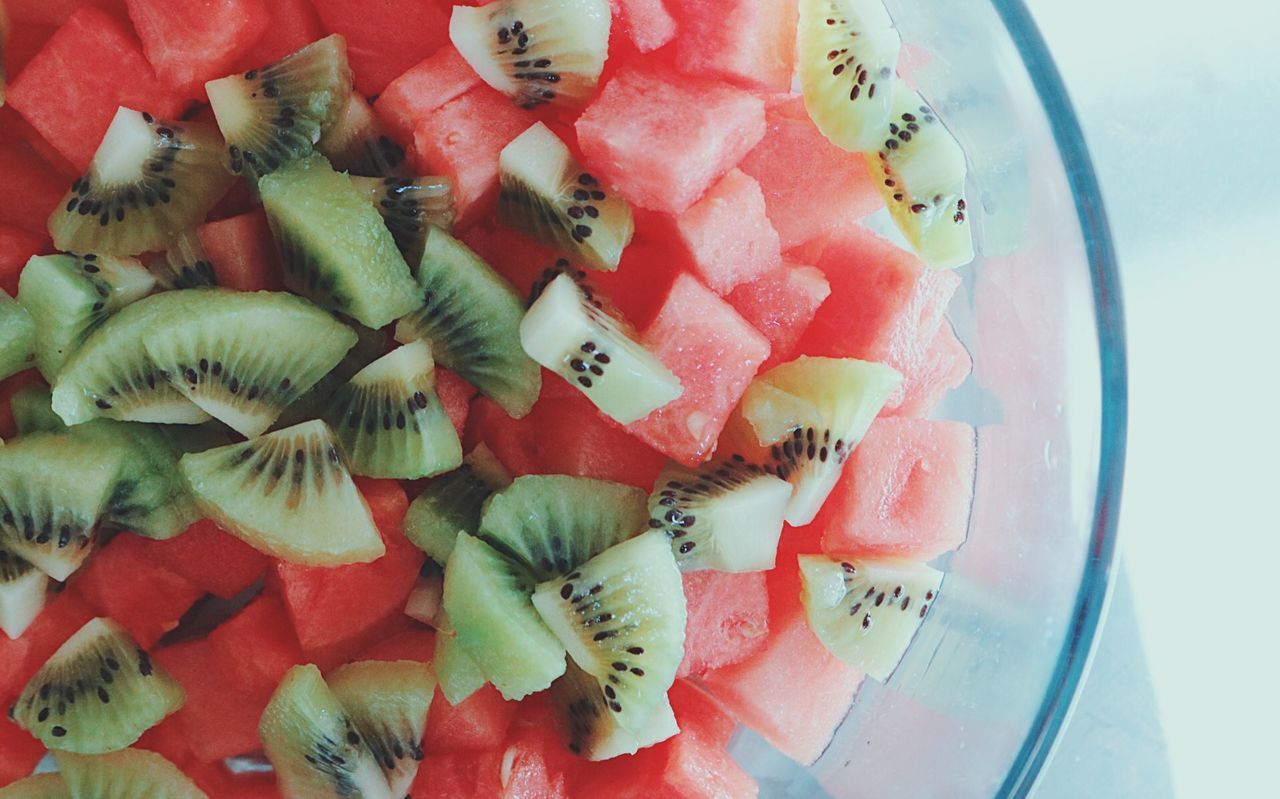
<point x="432" y="401"/>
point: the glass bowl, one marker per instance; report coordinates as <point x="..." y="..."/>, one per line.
<point x="981" y="696"/>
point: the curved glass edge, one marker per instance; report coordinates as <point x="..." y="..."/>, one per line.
<point x="1096" y="584"/>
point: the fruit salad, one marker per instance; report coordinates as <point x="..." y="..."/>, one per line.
<point x="403" y="399"/>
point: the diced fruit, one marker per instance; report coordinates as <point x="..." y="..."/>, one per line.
<point x="781" y="304"/>
<point x="33" y="410"/>
<point x="416" y="645"/>
<point x="23" y="589"/>
<point x="593" y="729"/>
<point x="726" y="230"/>
<point x="459" y="674"/>
<point x="169" y="740"/>
<point x="943" y="366"/>
<point x="220" y="715"/>
<point x="423" y="88"/>
<point x="16" y="247"/>
<point x="455" y="395"/>
<point x="243" y="252"/>
<point x="409" y="207"/>
<point x="540" y="765"/>
<point x="728" y="619"/>
<point x="630" y="121"/>
<point x="35" y="187"/>
<point x="127" y="772"/>
<point x="356" y="143"/>
<point x="293" y="25"/>
<point x="451" y="504"/>
<point x="20" y="659"/>
<point x="460" y="774"/>
<point x="184" y="265"/>
<point x="648" y="22"/>
<point x="385" y="38"/>
<point x="17" y="336"/>
<point x="210" y="558"/>
<point x="708" y="47"/>
<point x="201" y="43"/>
<point x="478" y="723"/>
<point x="387" y="701"/>
<point x="255" y="647"/>
<point x="19" y="754"/>
<point x="427" y="597"/>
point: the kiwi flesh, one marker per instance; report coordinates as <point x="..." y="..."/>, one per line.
<point x="486" y="597"/>
<point x="127" y="774"/>
<point x="866" y="611"/>
<point x="370" y="346"/>
<point x="275" y="114"/>
<point x="313" y="744"/>
<point x="356" y="143"/>
<point x="546" y="194"/>
<point x="70" y="296"/>
<point x="723" y="515"/>
<point x="17" y="336"/>
<point x="37" y="786"/>
<point x="184" y="265"/>
<point x="471" y="317"/>
<point x="149" y="180"/>
<point x="451" y="504"/>
<point x="847" y="52"/>
<point x="425" y="598"/>
<point x="408" y="205"/>
<point x="920" y="169"/>
<point x="535" y="52"/>
<point x="335" y="248"/>
<point x="243" y="356"/>
<point x="23" y="589"/>
<point x="32" y="408"/>
<point x="288" y="494"/>
<point x="591" y="728"/>
<point x="390" y="420"/>
<point x="459" y="674"/>
<point x="387" y="701"/>
<point x="552" y="524"/>
<point x="97" y="693"/>
<point x="571" y="334"/>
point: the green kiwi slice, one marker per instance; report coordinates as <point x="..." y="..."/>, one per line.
<point x="866" y="611"/>
<point x="802" y="419"/>
<point x="535" y="52"/>
<point x="390" y="421"/>
<point x="70" y="296"/>
<point x="185" y="265"/>
<point x="387" y="701"/>
<point x="17" y="336"/>
<point x="847" y="53"/>
<point x="425" y="599"/>
<point x="570" y="333"/>
<point x="408" y="205"/>
<point x="32" y="409"/>
<point x="275" y="114"/>
<point x="590" y="726"/>
<point x="243" y="356"/>
<point x="551" y="524"/>
<point x="149" y="180"/>
<point x="459" y="674"/>
<point x="289" y="494"/>
<point x="23" y="589"/>
<point x="724" y="515"/>
<point x="356" y="143"/>
<point x="37" y="786"/>
<point x="920" y="169"/>
<point x="451" y="503"/>
<point x="546" y="194"/>
<point x="486" y="598"/>
<point x="335" y="248"/>
<point x="621" y="617"/>
<point x="370" y="346"/>
<point x="125" y="774"/>
<point x="471" y="316"/>
<point x="99" y="692"/>
<point x="313" y="744"/>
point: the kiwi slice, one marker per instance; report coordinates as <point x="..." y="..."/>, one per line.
<point x="546" y="194"/>
<point x="185" y="265"/>
<point x="275" y="114"/>
<point x="149" y="180"/>
<point x="370" y="346"/>
<point x="99" y="692"/>
<point x="451" y="504"/>
<point x="23" y="589"/>
<point x="471" y="317"/>
<point x="459" y="674"/>
<point x="17" y="336"/>
<point x="38" y="786"/>
<point x="533" y="51"/>
<point x="621" y="617"/>
<point x="387" y="701"/>
<point x="724" y="515"/>
<point x="408" y="205"/>
<point x="335" y="248"/>
<point x="127" y="774"/>
<point x="551" y="524"/>
<point x="70" y="296"/>
<point x="486" y="597"/>
<point x="866" y="611"/>
<point x="590" y="726"/>
<point x="391" y="422"/>
<point x="847" y="53"/>
<point x="802" y="419"/>
<point x="570" y="333"/>
<point x="425" y="598"/>
<point x="32" y="409"/>
<point x="289" y="494"/>
<point x="356" y="143"/>
<point x="313" y="744"/>
<point x="920" y="169"/>
<point x="241" y="356"/>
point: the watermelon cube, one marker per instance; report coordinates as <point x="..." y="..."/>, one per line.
<point x="418" y="644"/>
<point x="729" y="235"/>
<point x="202" y="42"/>
<point x="423" y="88"/>
<point x="650" y="264"/>
<point x="20" y="659"/>
<point x="714" y="353"/>
<point x="71" y="89"/>
<point x="33" y="186"/>
<point x="243" y="252"/>
<point x="781" y="304"/>
<point x="701" y="129"/>
<point x="293" y="25"/>
<point x="386" y="37"/>
<point x="455" y="395"/>
<point x="518" y="258"/>
<point x="648" y="23"/>
<point x="695" y="709"/>
<point x="727" y="622"/>
<point x="905" y="492"/>
<point x="943" y="366"/>
<point x="19" y="752"/>
<point x="711" y="45"/>
<point x="169" y="740"/>
<point x="536" y="763"/>
<point x="811" y="187"/>
<point x="257" y="646"/>
<point x="210" y="558"/>
<point x="220" y="715"/>
<point x="55" y="12"/>
<point x="475" y="724"/>
<point x="458" y="775"/>
<point x="16" y="248"/>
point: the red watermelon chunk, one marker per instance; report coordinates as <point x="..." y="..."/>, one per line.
<point x="714" y="353"/>
<point x="536" y="763"/>
<point x="210" y="558"/>
<point x="419" y="645"/>
<point x="477" y="723"/>
<point x="71" y="89"/>
<point x="648" y="23"/>
<point x="19" y="752"/>
<point x="33" y="184"/>
<point x="714" y="32"/>
<point x="905" y="492"/>
<point x="811" y="187"/>
<point x="698" y="710"/>
<point x="518" y="258"/>
<point x="455" y="395"/>
<point x="423" y="88"/>
<point x="220" y="715"/>
<point x="293" y="25"/>
<point x="257" y="646"/>
<point x="663" y="160"/>
<point x="169" y="740"/>
<point x="202" y="41"/>
<point x="55" y="12"/>
<point x="781" y="304"/>
<point x="20" y="659"/>
<point x="242" y="252"/>
<point x="940" y="368"/>
<point x="729" y="235"/>
<point x="461" y="775"/>
<point x="386" y="37"/>
<point x="728" y="619"/>
<point x="22" y="44"/>
<point x="16" y="248"/>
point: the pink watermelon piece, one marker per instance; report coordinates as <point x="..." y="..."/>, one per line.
<point x="536" y="763"/>
<point x="385" y="38"/>
<point x="713" y="33"/>
<point x="56" y="12"/>
<point x="648" y="23"/>
<point x="781" y="304"/>
<point x="421" y="89"/>
<point x="257" y="646"/>
<point x="35" y="176"/>
<point x="418" y="644"/>
<point x="475" y="724"/>
<point x="631" y="120"/>
<point x="24" y="41"/>
<point x="243" y="252"/>
<point x="728" y="619"/>
<point x="458" y="775"/>
<point x="16" y="248"/>
<point x="72" y="88"/>
<point x="202" y="42"/>
<point x="220" y="716"/>
<point x="169" y="740"/>
<point x="19" y="752"/>
<point x="729" y="235"/>
<point x="943" y="366"/>
<point x="516" y="257"/>
<point x="293" y="25"/>
<point x="210" y="558"/>
<point x="455" y="395"/>
<point x="811" y="187"/>
<point x="714" y="353"/>
<point x="905" y="491"/>
<point x="20" y="659"/>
